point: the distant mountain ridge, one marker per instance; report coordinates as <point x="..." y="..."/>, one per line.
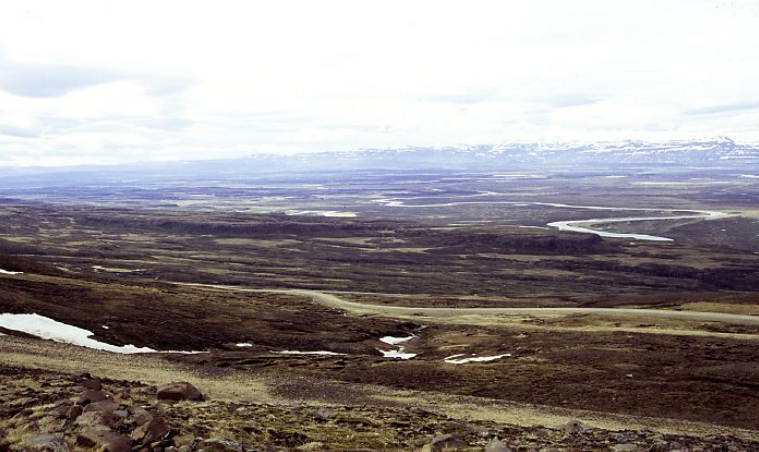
<point x="720" y="152"/>
<point x="710" y="154"/>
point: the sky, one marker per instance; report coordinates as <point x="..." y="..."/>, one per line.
<point x="85" y="82"/>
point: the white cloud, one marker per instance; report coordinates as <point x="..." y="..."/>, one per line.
<point x="111" y="81"/>
<point x="123" y="98"/>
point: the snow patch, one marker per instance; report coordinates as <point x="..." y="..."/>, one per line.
<point x="396" y="341"/>
<point x="474" y="359"/>
<point x="50" y="329"/>
<point x="322" y="213"/>
<point x="244" y="344"/>
<point x="400" y="353"/>
<point x="7" y="272"/>
<point x="47" y="328"/>
<point x="390" y="340"/>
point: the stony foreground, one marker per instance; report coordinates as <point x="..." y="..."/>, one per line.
<point x="43" y="411"/>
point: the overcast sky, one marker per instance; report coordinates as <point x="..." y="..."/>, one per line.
<point x="105" y="82"/>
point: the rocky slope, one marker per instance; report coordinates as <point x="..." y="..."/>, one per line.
<point x="48" y="411"/>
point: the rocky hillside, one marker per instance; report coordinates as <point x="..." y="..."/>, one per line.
<point x="43" y="411"/>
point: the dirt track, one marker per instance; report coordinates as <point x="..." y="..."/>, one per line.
<point x="333" y="301"/>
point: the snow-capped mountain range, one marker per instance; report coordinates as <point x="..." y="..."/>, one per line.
<point x="706" y="154"/>
<point x="716" y="152"/>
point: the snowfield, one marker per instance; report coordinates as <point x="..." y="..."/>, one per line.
<point x="46" y="328"/>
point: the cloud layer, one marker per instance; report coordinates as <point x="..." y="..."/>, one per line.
<point x="106" y="82"/>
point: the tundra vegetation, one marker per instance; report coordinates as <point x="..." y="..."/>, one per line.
<point x="271" y="295"/>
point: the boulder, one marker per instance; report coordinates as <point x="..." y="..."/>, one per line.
<point x="179" y="391"/>
<point x="574" y="427"/>
<point x="46" y="443"/>
<point x="74" y="411"/>
<point x="139" y="414"/>
<point x="496" y="445"/>
<point x="92" y="384"/>
<point x="108" y="440"/>
<point x="60" y="409"/>
<point x="107" y="407"/>
<point x="88" y="397"/>
<point x="154" y="430"/>
<point x="447" y="442"/>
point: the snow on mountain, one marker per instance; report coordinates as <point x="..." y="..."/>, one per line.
<point x="705" y="152"/>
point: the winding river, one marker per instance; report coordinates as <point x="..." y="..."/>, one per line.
<point x="581" y="226"/>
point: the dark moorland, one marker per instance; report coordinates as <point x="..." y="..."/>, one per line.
<point x="246" y="269"/>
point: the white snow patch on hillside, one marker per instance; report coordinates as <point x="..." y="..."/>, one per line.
<point x="47" y="328"/>
<point x="400" y="354"/>
<point x="474" y="359"/>
<point x="322" y="213"/>
<point x="390" y="340"/>
<point x="7" y="272"/>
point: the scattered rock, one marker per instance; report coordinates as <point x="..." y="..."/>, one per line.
<point x="496" y="445"/>
<point x="574" y="427"/>
<point x="323" y="413"/>
<point x="150" y="432"/>
<point x="74" y="411"/>
<point x="60" y="409"/>
<point x="219" y="445"/>
<point x="184" y="440"/>
<point x="140" y="414"/>
<point x="41" y="418"/>
<point x="179" y="391"/>
<point x="88" y="397"/>
<point x="93" y="384"/>
<point x="662" y="446"/>
<point x="46" y="443"/>
<point x="447" y="442"/>
<point x="93" y="419"/>
<point x="106" y="407"/>
<point x="109" y="440"/>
